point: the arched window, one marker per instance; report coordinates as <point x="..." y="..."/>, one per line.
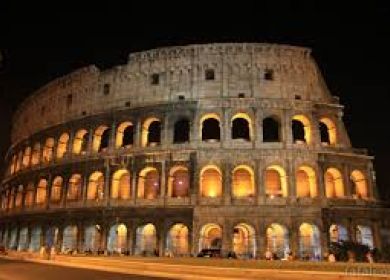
<point x="48" y="150"/>
<point x="306" y="182"/>
<point x="151" y="132"/>
<point x="41" y="191"/>
<point x="19" y="161"/>
<point x="271" y="130"/>
<point x="148" y="183"/>
<point x="93" y="238"/>
<point x="211" y="181"/>
<point x="243" y="182"/>
<point x="328" y="131"/>
<point x="181" y="132"/>
<point x="177" y="240"/>
<point x="121" y="186"/>
<point x="301" y="129"/>
<point x="364" y="236"/>
<point x="244" y="241"/>
<point x="146" y="240"/>
<point x="278" y="240"/>
<point x="124" y="135"/>
<point x="178" y="182"/>
<point x="275" y="181"/>
<point x="338" y="233"/>
<point x="27" y="157"/>
<point x="117" y="238"/>
<point x="334" y="186"/>
<point x="95" y="190"/>
<point x="62" y="145"/>
<point x="19" y="196"/>
<point x="74" y="187"/>
<point x="29" y="197"/>
<point x="69" y="239"/>
<point x="309" y="241"/>
<point x="80" y="143"/>
<point x="35" y="158"/>
<point x="13" y="164"/>
<point x="242" y="127"/>
<point x="101" y="139"/>
<point x="56" y="189"/>
<point x="210" y="127"/>
<point x="360" y="184"/>
<point x="210" y="237"/>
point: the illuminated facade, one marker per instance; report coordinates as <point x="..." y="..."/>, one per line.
<point x="233" y="146"/>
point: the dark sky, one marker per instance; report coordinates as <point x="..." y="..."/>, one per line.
<point x="349" y="41"/>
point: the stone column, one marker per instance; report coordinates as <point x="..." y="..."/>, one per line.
<point x="261" y="194"/>
<point x="161" y="239"/>
<point x="261" y="240"/>
<point x="291" y="180"/>
<point x="112" y="140"/>
<point x="294" y="239"/>
<point x="227" y="237"/>
<point x="376" y="234"/>
<point x="130" y="237"/>
<point x="163" y="180"/>
<point x="348" y="191"/>
<point x="227" y="183"/>
<point x="80" y="237"/>
<point x="90" y="141"/>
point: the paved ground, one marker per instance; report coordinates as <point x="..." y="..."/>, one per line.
<point x="20" y="270"/>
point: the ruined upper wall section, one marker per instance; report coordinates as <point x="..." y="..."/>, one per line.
<point x="239" y="68"/>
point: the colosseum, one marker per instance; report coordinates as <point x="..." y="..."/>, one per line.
<point x="237" y="147"/>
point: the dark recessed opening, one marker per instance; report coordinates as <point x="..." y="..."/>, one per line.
<point x="211" y="130"/>
<point x="209" y="74"/>
<point x="154" y="135"/>
<point x="324" y="133"/>
<point x="269" y="74"/>
<point x="181" y="131"/>
<point x="84" y="113"/>
<point x="127" y="104"/>
<point x="181" y="97"/>
<point x="298" y="130"/>
<point x="241" y="95"/>
<point x="69" y="100"/>
<point x="128" y="136"/>
<point x="298" y="97"/>
<point x="106" y="89"/>
<point x="271" y="130"/>
<point x="104" y="141"/>
<point x="240" y="129"/>
<point x="155" y="79"/>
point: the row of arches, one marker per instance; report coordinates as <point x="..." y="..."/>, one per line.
<point x="244" y="239"/>
<point x="100" y="139"/>
<point x="148" y="185"/>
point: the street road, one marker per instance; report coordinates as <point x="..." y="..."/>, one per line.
<point x="20" y="270"/>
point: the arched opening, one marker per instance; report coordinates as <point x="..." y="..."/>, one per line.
<point x="244" y="241"/>
<point x="23" y="239"/>
<point x="48" y="150"/>
<point x="243" y="182"/>
<point x="338" y="233"/>
<point x="301" y="129"/>
<point x="19" y="196"/>
<point x="146" y="240"/>
<point x="309" y="242"/>
<point x="210" y="127"/>
<point x="360" y="184"/>
<point x="210" y="237"/>
<point x="35" y="157"/>
<point x="41" y="191"/>
<point x="12" y="243"/>
<point x="328" y="132"/>
<point x="278" y="241"/>
<point x="62" y="145"/>
<point x="35" y="241"/>
<point x="19" y="161"/>
<point x="181" y="132"/>
<point x="275" y="181"/>
<point x="69" y="239"/>
<point x="29" y="197"/>
<point x="51" y="236"/>
<point x="13" y="164"/>
<point x="271" y="130"/>
<point x="95" y="190"/>
<point x="210" y="181"/>
<point x="364" y="236"/>
<point x="306" y="182"/>
<point x="148" y="183"/>
<point x="178" y="182"/>
<point x="124" y="135"/>
<point x="121" y="185"/>
<point x="80" y="143"/>
<point x="334" y="186"/>
<point x="26" y="157"/>
<point x="92" y="238"/>
<point x="74" y="188"/>
<point x="56" y="189"/>
<point x="177" y="240"/>
<point x="242" y="127"/>
<point x="151" y="132"/>
<point x="101" y="139"/>
<point x="117" y="239"/>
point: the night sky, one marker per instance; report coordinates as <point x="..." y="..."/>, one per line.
<point x="349" y="41"/>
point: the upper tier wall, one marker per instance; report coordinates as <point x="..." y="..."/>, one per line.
<point x="239" y="68"/>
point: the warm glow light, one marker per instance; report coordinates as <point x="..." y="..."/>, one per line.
<point x="306" y="124"/>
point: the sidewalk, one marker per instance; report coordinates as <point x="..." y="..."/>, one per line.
<point x="149" y="268"/>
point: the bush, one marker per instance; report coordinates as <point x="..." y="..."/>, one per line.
<point x="349" y="251"/>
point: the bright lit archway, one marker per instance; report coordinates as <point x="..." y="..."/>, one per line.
<point x="178" y="182"/>
<point x="95" y="189"/>
<point x="275" y="181"/>
<point x="306" y="182"/>
<point x="244" y="241"/>
<point x="210" y="181"/>
<point x="121" y="184"/>
<point x="177" y="240"/>
<point x="148" y="183"/>
<point x="309" y="242"/>
<point x="146" y="240"/>
<point x="334" y="185"/>
<point x="210" y="237"/>
<point x="360" y="184"/>
<point x="328" y="131"/>
<point x="243" y="182"/>
<point x="301" y="129"/>
<point x="278" y="240"/>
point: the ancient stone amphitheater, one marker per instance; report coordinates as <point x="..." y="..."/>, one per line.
<point x="234" y="147"/>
